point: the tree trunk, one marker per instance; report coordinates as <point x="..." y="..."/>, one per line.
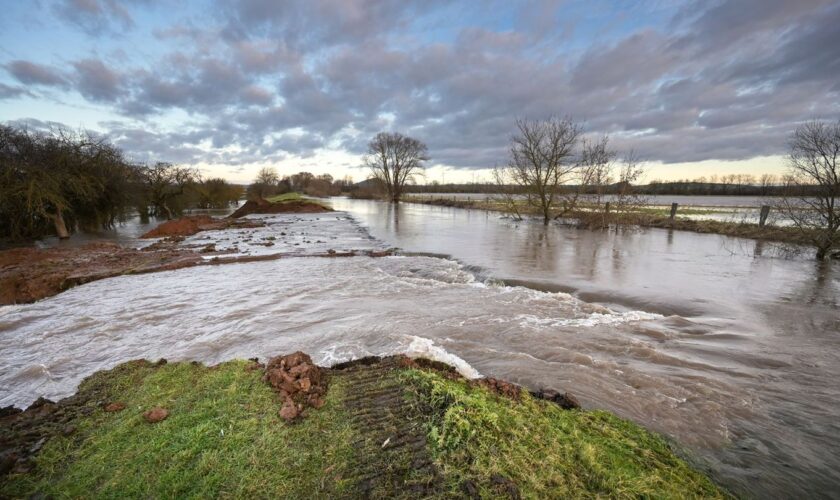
<point x="60" y="226"/>
<point x="821" y="253"/>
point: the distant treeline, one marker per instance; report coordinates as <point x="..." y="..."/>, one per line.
<point x="697" y="188"/>
<point x="61" y="182"/>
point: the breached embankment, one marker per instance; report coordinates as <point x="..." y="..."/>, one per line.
<point x="375" y="427"/>
<point x="29" y="274"/>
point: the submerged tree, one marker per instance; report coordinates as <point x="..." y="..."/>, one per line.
<point x="394" y="160"/>
<point x="165" y="186"/>
<point x="813" y="184"/>
<point x="542" y="160"/>
<point x="60" y="180"/>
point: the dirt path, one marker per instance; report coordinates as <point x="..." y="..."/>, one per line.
<point x="392" y="443"/>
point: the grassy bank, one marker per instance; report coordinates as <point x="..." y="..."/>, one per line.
<point x="643" y="217"/>
<point x="294" y="197"/>
<point x="223" y="437"/>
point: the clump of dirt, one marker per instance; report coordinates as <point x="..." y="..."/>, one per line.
<point x="192" y="224"/>
<point x="299" y="381"/>
<point x="263" y="206"/>
<point x="29" y="274"/>
<point x="156" y="415"/>
<point x="115" y="407"/>
<point x="565" y="400"/>
<point x="499" y="387"/>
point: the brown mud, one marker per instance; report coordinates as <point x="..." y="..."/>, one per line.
<point x="263" y="206"/>
<point x="192" y="224"/>
<point x="391" y="446"/>
<point x="29" y="274"/>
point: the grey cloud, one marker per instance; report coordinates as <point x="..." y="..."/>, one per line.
<point x="10" y="92"/>
<point x="96" y="17"/>
<point x="35" y="74"/>
<point x="726" y="80"/>
<point x="96" y="81"/>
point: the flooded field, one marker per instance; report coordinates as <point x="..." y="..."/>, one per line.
<point x="722" y="344"/>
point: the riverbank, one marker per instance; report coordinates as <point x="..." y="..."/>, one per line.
<point x="389" y="427"/>
<point x="640" y="218"/>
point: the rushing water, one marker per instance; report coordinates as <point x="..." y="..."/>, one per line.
<point x="723" y="344"/>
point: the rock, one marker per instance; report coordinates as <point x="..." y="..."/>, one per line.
<point x="289" y="410"/>
<point x="68" y="430"/>
<point x="156" y="415"/>
<point x="115" y="407"/>
<point x="305" y="384"/>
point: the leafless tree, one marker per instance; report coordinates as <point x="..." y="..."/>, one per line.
<point x="630" y="170"/>
<point x="394" y="160"/>
<point x="507" y="193"/>
<point x="812" y="185"/>
<point x="542" y="160"/>
<point x="165" y="184"/>
<point x="596" y="167"/>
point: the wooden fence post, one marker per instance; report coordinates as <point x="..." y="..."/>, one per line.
<point x="762" y="218"/>
<point x="674" y="207"/>
<point x="607" y="208"/>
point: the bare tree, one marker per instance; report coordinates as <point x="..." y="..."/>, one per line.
<point x="507" y="193"/>
<point x="394" y="160"/>
<point x="812" y="186"/>
<point x="165" y="184"/>
<point x="542" y="160"/>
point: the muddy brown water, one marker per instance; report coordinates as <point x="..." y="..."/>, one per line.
<point x="725" y="345"/>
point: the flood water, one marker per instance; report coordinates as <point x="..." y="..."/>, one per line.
<point x="728" y="346"/>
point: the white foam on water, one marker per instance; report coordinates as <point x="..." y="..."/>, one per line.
<point x="421" y="347"/>
<point x="593" y="319"/>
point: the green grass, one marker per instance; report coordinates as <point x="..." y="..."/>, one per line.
<point x="223" y="438"/>
<point x="282" y="198"/>
<point x="290" y="197"/>
<point x="546" y="451"/>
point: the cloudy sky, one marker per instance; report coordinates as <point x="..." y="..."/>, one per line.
<point x="694" y="87"/>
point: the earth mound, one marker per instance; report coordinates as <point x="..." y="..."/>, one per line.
<point x="192" y="224"/>
<point x="263" y="206"/>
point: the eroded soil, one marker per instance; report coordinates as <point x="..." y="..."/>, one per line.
<point x="263" y="206"/>
<point x="29" y="274"/>
<point x="192" y="224"/>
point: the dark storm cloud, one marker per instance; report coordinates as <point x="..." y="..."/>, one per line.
<point x="722" y="80"/>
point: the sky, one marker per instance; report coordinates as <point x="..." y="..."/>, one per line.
<point x="694" y="88"/>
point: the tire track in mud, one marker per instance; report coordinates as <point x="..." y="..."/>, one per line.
<point x="391" y="449"/>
